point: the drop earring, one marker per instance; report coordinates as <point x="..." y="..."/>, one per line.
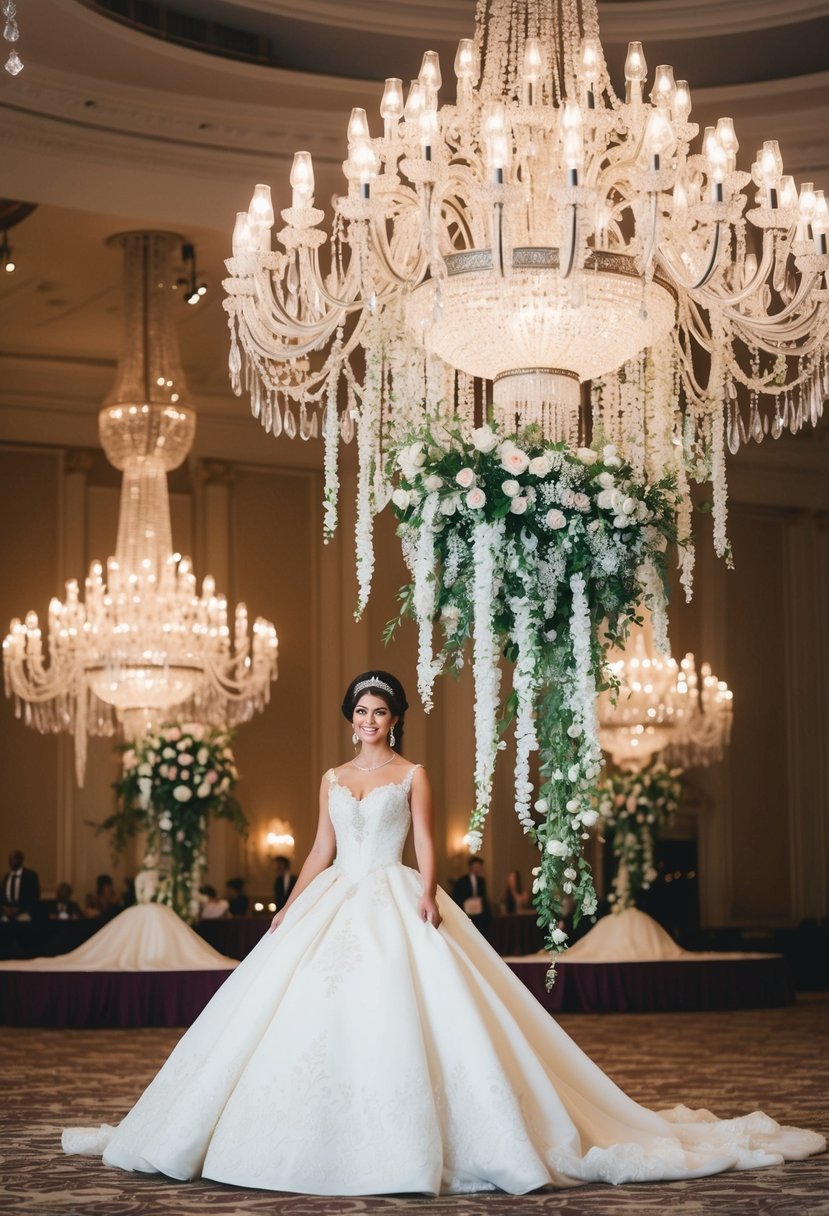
<point x="391" y="737"/>
<point x="355" y="738"/>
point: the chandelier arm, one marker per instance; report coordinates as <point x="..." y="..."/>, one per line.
<point x="806" y="287"/>
<point x="279" y="319"/>
<point x="264" y="340"/>
<point x="383" y="250"/>
<point x="346" y="302"/>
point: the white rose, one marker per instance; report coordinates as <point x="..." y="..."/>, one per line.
<point x="204" y="789"/>
<point x="616" y="500"/>
<point x="581" y="502"/>
<point x="587" y="455"/>
<point x="510" y="488"/>
<point x="484" y="439"/>
<point x="621" y="521"/>
<point x="628" y="506"/>
<point x="572" y="805"/>
<point x="449" y="505"/>
<point x="476" y="498"/>
<point x="542" y="806"/>
<point x="606" y="480"/>
<point x="144" y="770"/>
<point x="588" y="818"/>
<point x="400" y="498"/>
<point x="518" y="506"/>
<point x="432" y="483"/>
<point x="540" y="465"/>
<point x="185" y="758"/>
<point x="558" y="936"/>
<point x="165" y="822"/>
<point x="573" y="772"/>
<point x="182" y="793"/>
<point x="465" y="478"/>
<point x="604" y="499"/>
<point x="203" y="755"/>
<point x="613" y="462"/>
<point x="609" y="451"/>
<point x="556" y="519"/>
<point x="570" y="873"/>
<point x="513" y="459"/>
<point x="557" y="848"/>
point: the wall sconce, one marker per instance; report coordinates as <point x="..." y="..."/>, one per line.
<point x="279" y="840"/>
<point x="193" y="289"/>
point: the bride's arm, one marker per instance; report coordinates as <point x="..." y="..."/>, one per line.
<point x="421" y="803"/>
<point x="319" y="859"/>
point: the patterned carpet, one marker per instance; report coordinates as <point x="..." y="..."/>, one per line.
<point x="777" y="1060"/>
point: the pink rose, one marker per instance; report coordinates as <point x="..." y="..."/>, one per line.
<point x="581" y="502"/>
<point x="518" y="506"/>
<point x="513" y="459"/>
<point x="465" y="478"/>
<point x="212" y="776"/>
<point x="556" y="519"/>
<point x="476" y="498"/>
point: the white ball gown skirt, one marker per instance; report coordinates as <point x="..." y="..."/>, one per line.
<point x="357" y="1050"/>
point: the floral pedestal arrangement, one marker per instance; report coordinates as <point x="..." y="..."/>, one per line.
<point x="174" y="782"/>
<point x="636" y="806"/>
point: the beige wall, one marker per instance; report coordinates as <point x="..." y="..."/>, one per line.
<point x="762" y="816"/>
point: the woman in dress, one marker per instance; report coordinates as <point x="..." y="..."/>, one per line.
<point x="374" y="1043"/>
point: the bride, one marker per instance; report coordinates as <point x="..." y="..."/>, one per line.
<point x="374" y="1043"/>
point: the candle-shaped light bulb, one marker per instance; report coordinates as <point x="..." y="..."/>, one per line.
<point x="429" y="74"/>
<point x="363" y="159"/>
<point x="391" y="107"/>
<point x="681" y="104"/>
<point x="302" y="179"/>
<point x="573" y="149"/>
<point x="770" y="163"/>
<point x="428" y="126"/>
<point x="727" y="137"/>
<point x="820" y="222"/>
<point x="533" y="61"/>
<point x="261" y="207"/>
<point x="636" y="68"/>
<point x="467" y="62"/>
<point x="664" y="86"/>
<point x="415" y="102"/>
<point x="358" y="126"/>
<point x="658" y="137"/>
<point x="717" y="161"/>
<point x="807" y="202"/>
<point x="590" y="60"/>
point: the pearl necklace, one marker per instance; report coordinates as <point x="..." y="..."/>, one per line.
<point x="361" y="768"/>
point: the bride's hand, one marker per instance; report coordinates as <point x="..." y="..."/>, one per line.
<point x="277" y="920"/>
<point x="428" y="910"/>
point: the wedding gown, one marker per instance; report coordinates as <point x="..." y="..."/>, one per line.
<point x="358" y="1050"/>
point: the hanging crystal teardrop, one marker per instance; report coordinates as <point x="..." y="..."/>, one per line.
<point x="347" y="426"/>
<point x="289" y="422"/>
<point x="733" y="429"/>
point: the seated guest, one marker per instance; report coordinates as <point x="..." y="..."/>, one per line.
<point x="470" y="892"/>
<point x="20" y="891"/>
<point x="514" y="899"/>
<point x="284" y="883"/>
<point x="128" y="895"/>
<point x="63" y="906"/>
<point x="90" y="907"/>
<point x="238" y="902"/>
<point x="106" y="897"/>
<point x="212" y="907"/>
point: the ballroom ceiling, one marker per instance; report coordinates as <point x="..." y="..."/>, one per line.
<point x="111" y="127"/>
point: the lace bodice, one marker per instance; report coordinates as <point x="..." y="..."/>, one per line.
<point x="370" y="831"/>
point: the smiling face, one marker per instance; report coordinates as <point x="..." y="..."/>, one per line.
<point x="372" y="719"/>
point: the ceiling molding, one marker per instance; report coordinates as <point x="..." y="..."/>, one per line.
<point x="452" y="19"/>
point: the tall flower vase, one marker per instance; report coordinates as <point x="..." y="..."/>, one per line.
<point x="174" y="782"/>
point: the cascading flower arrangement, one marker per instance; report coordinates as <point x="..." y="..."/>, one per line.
<point x="636" y="806"/>
<point x="174" y="781"/>
<point x="539" y="554"/>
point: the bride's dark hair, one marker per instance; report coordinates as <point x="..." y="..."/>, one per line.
<point x="372" y="682"/>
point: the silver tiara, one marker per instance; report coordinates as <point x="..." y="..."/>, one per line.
<point x="372" y="683"/>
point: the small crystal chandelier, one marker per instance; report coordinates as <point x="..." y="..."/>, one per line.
<point x="11" y="33"/>
<point x="545" y="235"/>
<point x="143" y="642"/>
<point x="663" y="709"/>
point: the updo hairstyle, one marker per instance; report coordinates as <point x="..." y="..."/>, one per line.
<point x="372" y="683"/>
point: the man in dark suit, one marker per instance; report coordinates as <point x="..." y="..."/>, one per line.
<point x="20" y="890"/>
<point x="63" y="906"/>
<point x="470" y="892"/>
<point x="285" y="882"/>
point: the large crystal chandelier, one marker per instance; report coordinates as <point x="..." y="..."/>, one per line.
<point x="663" y="708"/>
<point x="142" y="642"/>
<point x="544" y="234"/>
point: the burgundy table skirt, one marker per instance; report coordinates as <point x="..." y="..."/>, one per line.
<point x="750" y="983"/>
<point x="96" y="999"/>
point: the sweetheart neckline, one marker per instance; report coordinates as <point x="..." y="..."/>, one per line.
<point x="387" y="785"/>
